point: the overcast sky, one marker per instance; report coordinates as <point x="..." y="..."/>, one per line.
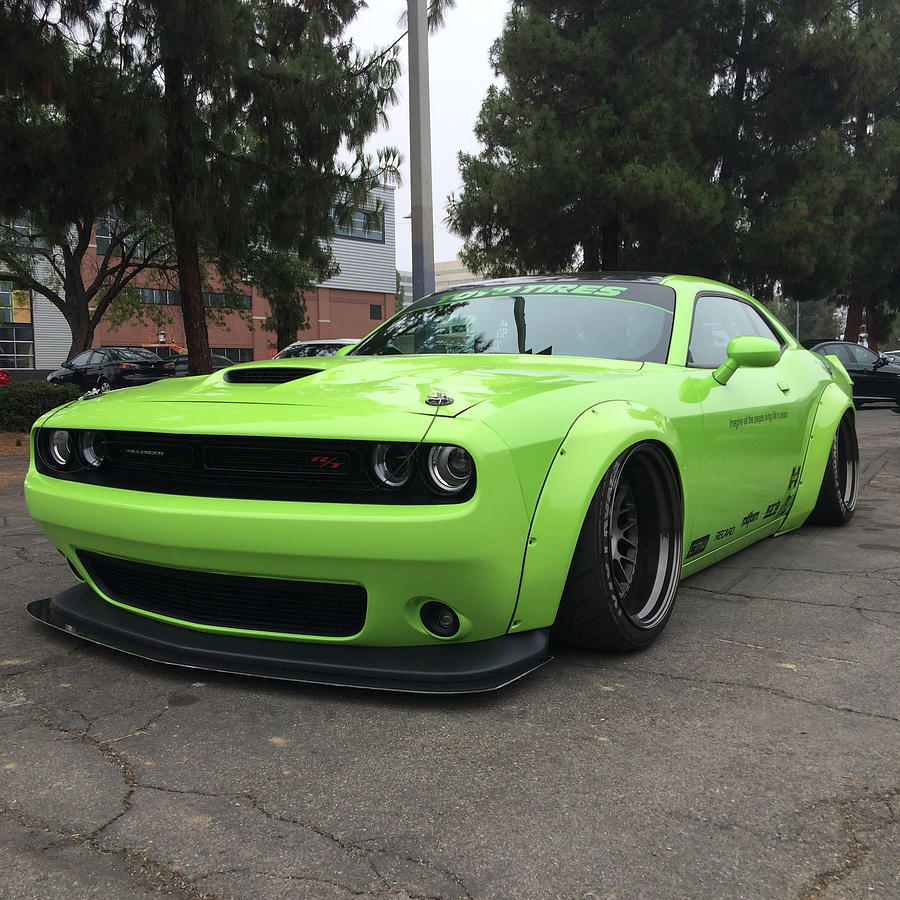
<point x="460" y="75"/>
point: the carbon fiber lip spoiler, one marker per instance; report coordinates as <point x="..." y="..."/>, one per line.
<point x="443" y="669"/>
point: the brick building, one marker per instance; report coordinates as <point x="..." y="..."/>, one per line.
<point x="349" y="305"/>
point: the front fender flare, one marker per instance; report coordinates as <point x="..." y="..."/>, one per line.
<point x="833" y="405"/>
<point x="593" y="442"/>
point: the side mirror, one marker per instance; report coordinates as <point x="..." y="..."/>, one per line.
<point x="344" y="350"/>
<point x="881" y="361"/>
<point x="748" y="351"/>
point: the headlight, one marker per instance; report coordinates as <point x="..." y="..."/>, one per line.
<point x="449" y="468"/>
<point x="92" y="447"/>
<point x="392" y="464"/>
<point x="59" y="446"/>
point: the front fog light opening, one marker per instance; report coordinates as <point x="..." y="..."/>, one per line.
<point x="392" y="465"/>
<point x="59" y="448"/>
<point x="449" y="468"/>
<point x="439" y="619"/>
<point x="92" y="448"/>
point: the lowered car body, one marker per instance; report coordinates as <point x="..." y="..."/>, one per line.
<point x="498" y="462"/>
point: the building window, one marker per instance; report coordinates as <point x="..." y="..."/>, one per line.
<point x="102" y="235"/>
<point x="235" y="354"/>
<point x="219" y="301"/>
<point x="375" y="311"/>
<point x="358" y="229"/>
<point x="106" y="228"/>
<point x="160" y="297"/>
<point x="16" y="330"/>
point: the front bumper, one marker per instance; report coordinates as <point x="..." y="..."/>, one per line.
<point x="443" y="669"/>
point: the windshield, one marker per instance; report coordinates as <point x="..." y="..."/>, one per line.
<point x="636" y="324"/>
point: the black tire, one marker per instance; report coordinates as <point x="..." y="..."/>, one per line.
<point x="104" y="386"/>
<point x="627" y="562"/>
<point x="840" y="483"/>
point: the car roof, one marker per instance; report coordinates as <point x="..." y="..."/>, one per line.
<point x="567" y="277"/>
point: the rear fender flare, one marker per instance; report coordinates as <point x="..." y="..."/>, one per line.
<point x="593" y="442"/>
<point x="833" y="404"/>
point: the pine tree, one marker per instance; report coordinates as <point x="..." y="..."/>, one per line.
<point x="258" y="97"/>
<point x="596" y="151"/>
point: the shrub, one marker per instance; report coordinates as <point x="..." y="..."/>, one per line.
<point x="21" y="402"/>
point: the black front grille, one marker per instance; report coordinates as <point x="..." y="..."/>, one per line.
<point x="273" y="375"/>
<point x="248" y="468"/>
<point x="231" y="601"/>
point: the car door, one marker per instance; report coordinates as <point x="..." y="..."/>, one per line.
<point x="94" y="368"/>
<point x="754" y="427"/>
<point x="877" y="380"/>
<point x="78" y="368"/>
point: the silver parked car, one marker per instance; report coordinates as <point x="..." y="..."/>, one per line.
<point x="326" y="347"/>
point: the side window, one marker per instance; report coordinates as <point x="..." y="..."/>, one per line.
<point x="97" y="357"/>
<point x="840" y="351"/>
<point x="81" y="359"/>
<point x="716" y="321"/>
<point x="862" y="355"/>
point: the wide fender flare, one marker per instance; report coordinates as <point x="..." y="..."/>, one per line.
<point x="593" y="442"/>
<point x="833" y="405"/>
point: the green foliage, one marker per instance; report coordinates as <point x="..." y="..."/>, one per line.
<point x="22" y="402"/>
<point x="595" y="149"/>
<point x="281" y="278"/>
<point x="79" y="138"/>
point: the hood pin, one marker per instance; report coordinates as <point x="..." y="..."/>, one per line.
<point x="438" y="398"/>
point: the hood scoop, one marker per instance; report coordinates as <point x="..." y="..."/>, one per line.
<point x="263" y="375"/>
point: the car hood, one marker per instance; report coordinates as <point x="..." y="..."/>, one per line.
<point x="386" y="383"/>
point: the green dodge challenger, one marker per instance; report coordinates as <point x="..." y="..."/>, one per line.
<point x="499" y="466"/>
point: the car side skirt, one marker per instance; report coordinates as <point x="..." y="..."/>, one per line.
<point x="459" y="668"/>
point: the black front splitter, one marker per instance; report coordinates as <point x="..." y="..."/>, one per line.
<point x="440" y="669"/>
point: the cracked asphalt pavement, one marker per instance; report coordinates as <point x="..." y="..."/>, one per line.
<point x="751" y="752"/>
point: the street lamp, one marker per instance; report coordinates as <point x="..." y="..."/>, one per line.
<point x="420" y="151"/>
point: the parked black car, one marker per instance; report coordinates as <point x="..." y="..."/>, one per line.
<point x="876" y="378"/>
<point x="180" y="363"/>
<point x="110" y="367"/>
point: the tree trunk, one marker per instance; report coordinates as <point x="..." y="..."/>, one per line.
<point x="184" y="226"/>
<point x="741" y="74"/>
<point x="591" y="250"/>
<point x="609" y="250"/>
<point x="854" y="316"/>
<point x="79" y="323"/>
<point x="78" y="317"/>
<point x="872" y="324"/>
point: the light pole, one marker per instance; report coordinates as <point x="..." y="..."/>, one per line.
<point x="420" y="152"/>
